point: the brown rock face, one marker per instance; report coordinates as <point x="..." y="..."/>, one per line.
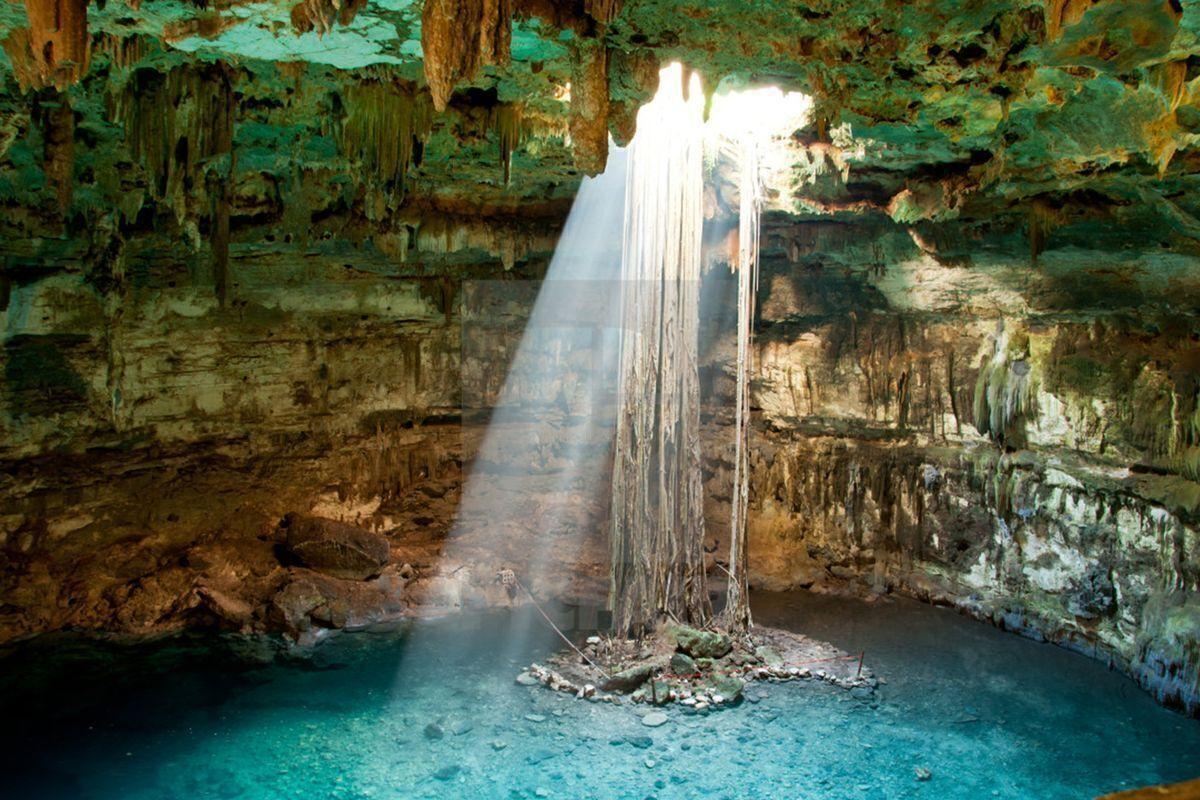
<point x="460" y="36"/>
<point x="336" y="548"/>
<point x="322" y="15"/>
<point x="589" y="105"/>
<point x="57" y="50"/>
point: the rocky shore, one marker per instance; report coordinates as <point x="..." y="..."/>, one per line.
<point x="698" y="669"/>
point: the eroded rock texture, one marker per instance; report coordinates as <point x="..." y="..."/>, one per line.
<point x="983" y="436"/>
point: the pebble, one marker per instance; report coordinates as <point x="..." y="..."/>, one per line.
<point x="923" y="773"/>
<point x="654" y="719"/>
<point x="535" y="718"/>
<point x="593" y="640"/>
<point x="499" y="744"/>
<point x="526" y="679"/>
<point x="434" y="731"/>
<point x="447" y="772"/>
<point x="538" y="756"/>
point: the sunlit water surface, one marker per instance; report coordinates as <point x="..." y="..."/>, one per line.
<point x="988" y="714"/>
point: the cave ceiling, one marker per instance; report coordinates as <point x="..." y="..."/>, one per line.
<point x="1030" y="115"/>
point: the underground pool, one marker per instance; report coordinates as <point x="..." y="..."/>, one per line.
<point x="965" y="711"/>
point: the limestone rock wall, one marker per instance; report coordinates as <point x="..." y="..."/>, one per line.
<point x="1016" y="441"/>
<point x="152" y="439"/>
<point x="935" y="416"/>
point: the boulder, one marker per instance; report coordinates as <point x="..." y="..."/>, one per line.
<point x="335" y="548"/>
<point x="660" y="692"/>
<point x="682" y="665"/>
<point x="701" y="644"/>
<point x="293" y="603"/>
<point x="729" y="687"/>
<point x="768" y="655"/>
<point x="232" y="612"/>
<point x="628" y="680"/>
<point x="310" y="600"/>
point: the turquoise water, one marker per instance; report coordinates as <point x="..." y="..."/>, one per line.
<point x="432" y="711"/>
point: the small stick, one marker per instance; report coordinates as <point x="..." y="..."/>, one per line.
<point x="861" y="653"/>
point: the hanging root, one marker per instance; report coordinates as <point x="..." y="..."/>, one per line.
<point x="657" y="501"/>
<point x="737" y="602"/>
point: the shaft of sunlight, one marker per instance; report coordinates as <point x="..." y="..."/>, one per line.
<point x="534" y="498"/>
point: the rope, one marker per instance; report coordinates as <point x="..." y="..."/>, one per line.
<point x="561" y="635"/>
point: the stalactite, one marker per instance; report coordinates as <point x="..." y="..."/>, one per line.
<point x="603" y="11"/>
<point x="589" y="105"/>
<point x="737" y="602"/>
<point x="124" y="52"/>
<point x="173" y="126"/>
<point x="179" y="125"/>
<point x="1004" y="391"/>
<point x="1171" y="79"/>
<point x="322" y="15"/>
<point x="384" y="121"/>
<point x="1165" y="418"/>
<point x="458" y="37"/>
<point x="57" y="122"/>
<point x="632" y="80"/>
<point x="657" y="501"/>
<point x="509" y="125"/>
<point x="1042" y="220"/>
<point x="222" y="133"/>
<point x="1060" y="14"/>
<point x="952" y="390"/>
<point x="19" y="50"/>
<point x="56" y="50"/>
